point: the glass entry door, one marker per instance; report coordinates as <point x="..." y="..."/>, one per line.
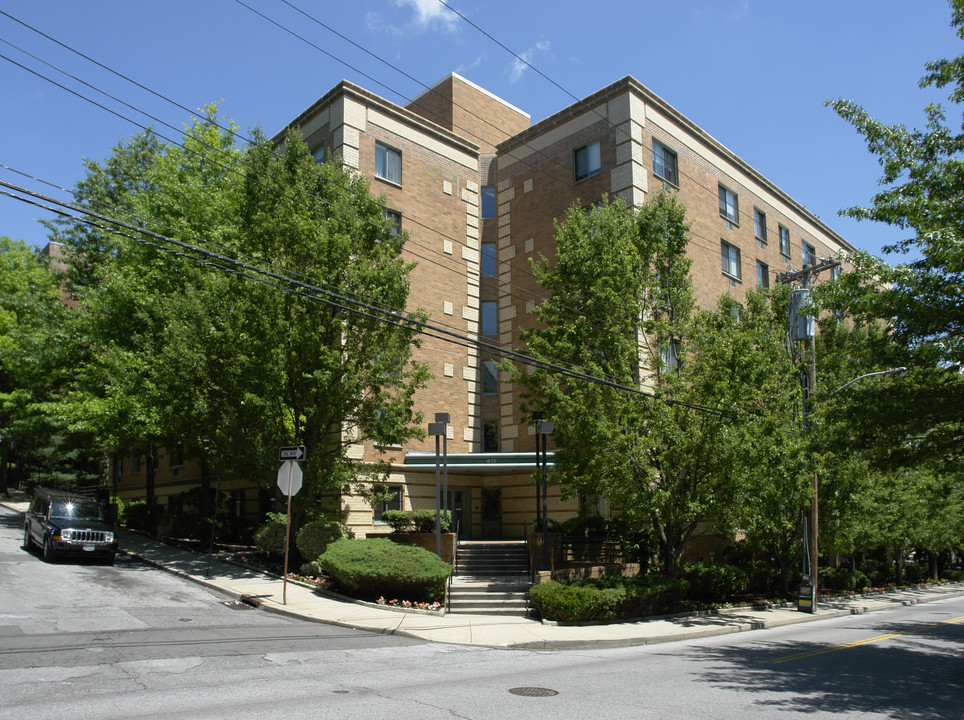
<point x="458" y="504"/>
<point x="492" y="513"/>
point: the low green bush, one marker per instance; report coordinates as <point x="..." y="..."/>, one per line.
<point x="838" y="579"/>
<point x="136" y="516"/>
<point x="421" y="521"/>
<point x="315" y="537"/>
<point x="369" y="568"/>
<point x="913" y="574"/>
<point x="608" y="598"/>
<point x="270" y="537"/>
<point x="952" y="575"/>
<point x="713" y="582"/>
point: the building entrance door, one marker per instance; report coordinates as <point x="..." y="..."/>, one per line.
<point x="492" y="513"/>
<point x="458" y="504"/>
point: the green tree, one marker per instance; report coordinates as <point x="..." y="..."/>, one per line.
<point x="190" y="352"/>
<point x="35" y="361"/>
<point x="620" y="306"/>
<point x="920" y="299"/>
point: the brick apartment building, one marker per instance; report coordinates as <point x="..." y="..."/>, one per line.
<point x="477" y="187"/>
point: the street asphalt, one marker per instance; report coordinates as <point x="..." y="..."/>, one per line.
<point x="269" y="593"/>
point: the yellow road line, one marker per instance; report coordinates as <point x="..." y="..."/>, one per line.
<point x="858" y="643"/>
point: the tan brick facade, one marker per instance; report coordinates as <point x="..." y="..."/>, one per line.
<point x="456" y="140"/>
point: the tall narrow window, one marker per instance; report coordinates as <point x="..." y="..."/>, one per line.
<point x="388" y="163"/>
<point x="487" y="206"/>
<point x="784" y="242"/>
<point x="490" y="378"/>
<point x="760" y="225"/>
<point x="488" y="259"/>
<point x="319" y="154"/>
<point x="729" y="205"/>
<point x="490" y="318"/>
<point x="730" y="255"/>
<point x="394" y="504"/>
<point x="664" y="163"/>
<point x="490" y="436"/>
<point x="762" y="274"/>
<point x="809" y="254"/>
<point x="587" y="161"/>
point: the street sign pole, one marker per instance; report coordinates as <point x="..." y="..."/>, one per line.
<point x="284" y="586"/>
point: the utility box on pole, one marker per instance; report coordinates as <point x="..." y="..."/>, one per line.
<point x="802" y="326"/>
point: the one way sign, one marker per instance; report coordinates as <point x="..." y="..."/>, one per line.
<point x="295" y="452"/>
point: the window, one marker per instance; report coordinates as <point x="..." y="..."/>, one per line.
<point x="669" y="356"/>
<point x="490" y="378"/>
<point x="784" y="241"/>
<point x="729" y="205"/>
<point x="490" y="436"/>
<point x="135" y="464"/>
<point x="809" y="253"/>
<point x="760" y="225"/>
<point x="488" y="202"/>
<point x="394" y="504"/>
<point x="319" y="154"/>
<point x="490" y="318"/>
<point x="388" y="164"/>
<point x="762" y="275"/>
<point x="395" y="218"/>
<point x="175" y="458"/>
<point x="587" y="161"/>
<point x="664" y="163"/>
<point x="488" y="259"/>
<point x="731" y="260"/>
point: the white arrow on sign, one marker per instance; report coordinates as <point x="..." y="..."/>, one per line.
<point x="289" y="478"/>
<point x="294" y="452"/>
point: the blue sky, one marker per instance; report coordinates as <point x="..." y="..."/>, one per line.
<point x="752" y="73"/>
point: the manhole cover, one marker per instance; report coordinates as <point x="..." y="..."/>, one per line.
<point x="533" y="692"/>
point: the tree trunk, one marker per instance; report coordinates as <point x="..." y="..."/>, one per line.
<point x="4" y="465"/>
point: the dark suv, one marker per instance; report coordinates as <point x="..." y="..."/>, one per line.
<point x="62" y="523"/>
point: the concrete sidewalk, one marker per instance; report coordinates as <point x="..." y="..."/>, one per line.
<point x="266" y="591"/>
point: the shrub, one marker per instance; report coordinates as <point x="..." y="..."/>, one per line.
<point x="372" y="567"/>
<point x="136" y="517"/>
<point x="608" y="598"/>
<point x="838" y="579"/>
<point x="315" y="537"/>
<point x="913" y="574"/>
<point x="713" y="582"/>
<point x="421" y="521"/>
<point x="270" y="537"/>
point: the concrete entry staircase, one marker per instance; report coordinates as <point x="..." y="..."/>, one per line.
<point x="491" y="578"/>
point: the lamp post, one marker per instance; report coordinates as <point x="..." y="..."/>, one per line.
<point x="445" y="419"/>
<point x="544" y="428"/>
<point x="438" y="430"/>
<point x="811" y="534"/>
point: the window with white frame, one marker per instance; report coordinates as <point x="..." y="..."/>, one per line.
<point x="730" y="255"/>
<point x="762" y="274"/>
<point x="587" y="161"/>
<point x="809" y="254"/>
<point x="487" y="202"/>
<point x="729" y="205"/>
<point x="388" y="163"/>
<point x="760" y="225"/>
<point x="784" y="242"/>
<point x="664" y="163"/>
<point x="395" y="218"/>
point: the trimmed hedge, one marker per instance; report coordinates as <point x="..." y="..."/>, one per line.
<point x="608" y="598"/>
<point x="713" y="582"/>
<point x="416" y="521"/>
<point x="315" y="537"/>
<point x="369" y="568"/>
<point x="270" y="537"/>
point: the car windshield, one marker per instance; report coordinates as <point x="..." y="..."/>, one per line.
<point x="76" y="511"/>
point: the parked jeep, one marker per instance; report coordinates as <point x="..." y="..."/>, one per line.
<point x="62" y="523"/>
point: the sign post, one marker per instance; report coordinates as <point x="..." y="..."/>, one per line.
<point x="289" y="480"/>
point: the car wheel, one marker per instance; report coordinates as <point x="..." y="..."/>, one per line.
<point x="50" y="555"/>
<point x="109" y="560"/>
<point x="27" y="542"/>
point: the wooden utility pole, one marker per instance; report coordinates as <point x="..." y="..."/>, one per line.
<point x="808" y="383"/>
